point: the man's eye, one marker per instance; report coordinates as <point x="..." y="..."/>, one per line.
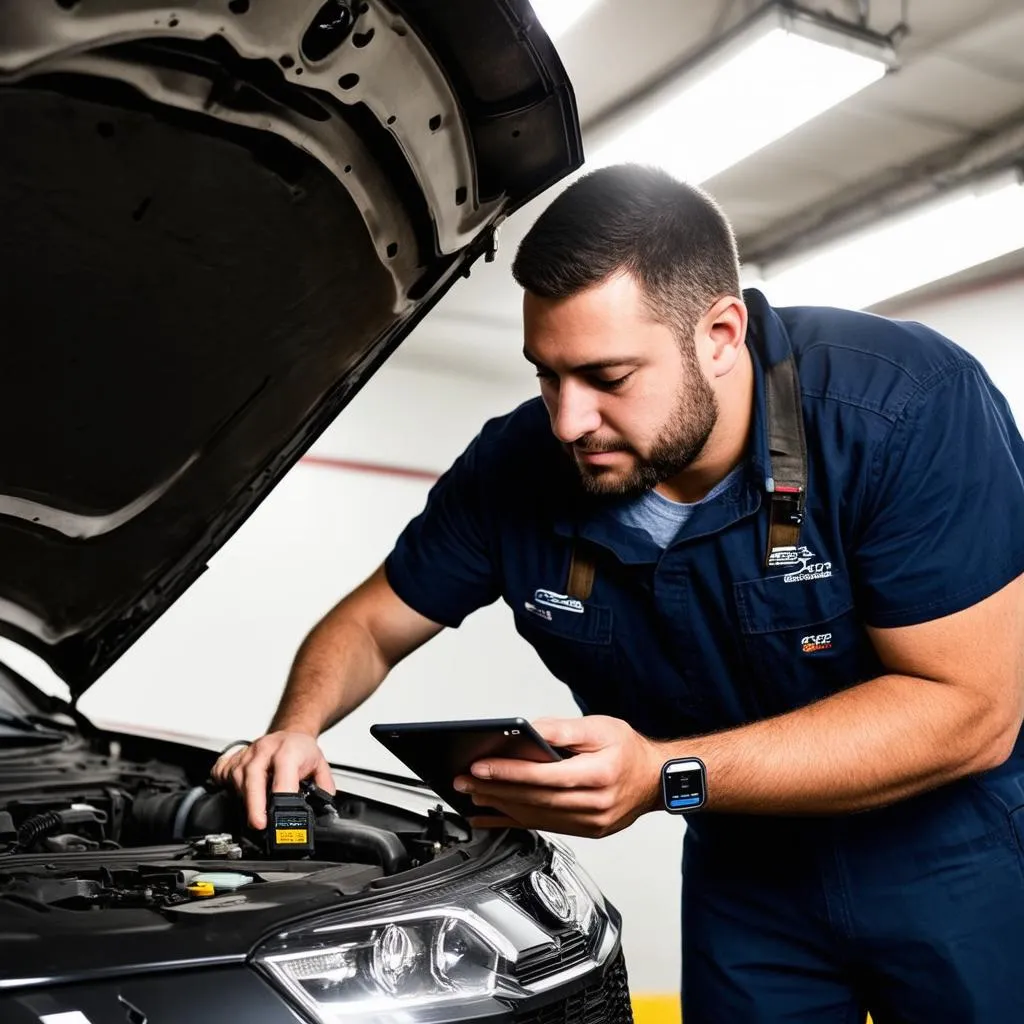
<point x="613" y="385"/>
<point x="545" y="375"/>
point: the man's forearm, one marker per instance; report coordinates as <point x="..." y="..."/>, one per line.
<point x="881" y="741"/>
<point x="337" y="667"/>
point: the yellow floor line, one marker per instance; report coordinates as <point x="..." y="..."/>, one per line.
<point x="652" y="1009"/>
<point x="663" y="1009"/>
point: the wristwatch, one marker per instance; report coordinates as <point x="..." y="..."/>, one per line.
<point x="684" y="785"/>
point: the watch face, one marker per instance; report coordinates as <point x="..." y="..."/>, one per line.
<point x="683" y="782"/>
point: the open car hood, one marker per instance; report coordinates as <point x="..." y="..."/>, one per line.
<point x="220" y="217"/>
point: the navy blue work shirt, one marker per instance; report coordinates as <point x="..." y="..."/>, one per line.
<point x="915" y="510"/>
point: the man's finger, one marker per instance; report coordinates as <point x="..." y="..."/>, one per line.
<point x="324" y="777"/>
<point x="568" y="774"/>
<point x="575" y="801"/>
<point x="285" y="776"/>
<point x="221" y="771"/>
<point x="256" y="791"/>
<point x="228" y="760"/>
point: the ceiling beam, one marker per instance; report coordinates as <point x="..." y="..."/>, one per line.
<point x="896" y="190"/>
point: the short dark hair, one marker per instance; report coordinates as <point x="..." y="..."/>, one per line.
<point x="671" y="237"/>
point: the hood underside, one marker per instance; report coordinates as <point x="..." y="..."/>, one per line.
<point x="219" y="219"/>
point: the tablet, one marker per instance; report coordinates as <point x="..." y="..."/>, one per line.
<point x="438" y="751"/>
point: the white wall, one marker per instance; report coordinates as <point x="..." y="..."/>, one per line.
<point x="224" y="649"/>
<point x="987" y="319"/>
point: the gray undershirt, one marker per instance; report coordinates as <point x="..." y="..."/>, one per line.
<point x="660" y="517"/>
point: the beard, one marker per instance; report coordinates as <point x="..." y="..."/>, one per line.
<point x="678" y="443"/>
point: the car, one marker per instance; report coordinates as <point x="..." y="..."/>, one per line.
<point x="220" y="218"/>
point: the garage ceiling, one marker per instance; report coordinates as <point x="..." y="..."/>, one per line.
<point x="960" y="82"/>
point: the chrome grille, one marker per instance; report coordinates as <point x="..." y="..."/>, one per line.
<point x="571" y="946"/>
<point x="606" y="1002"/>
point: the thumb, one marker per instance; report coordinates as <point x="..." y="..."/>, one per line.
<point x="575" y="733"/>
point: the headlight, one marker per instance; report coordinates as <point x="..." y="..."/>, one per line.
<point x="579" y="887"/>
<point x="414" y="963"/>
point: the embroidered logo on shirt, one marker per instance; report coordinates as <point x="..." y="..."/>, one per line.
<point x="815" y="643"/>
<point x="784" y="557"/>
<point x="541" y="613"/>
<point x="809" y="568"/>
<point x="560" y="601"/>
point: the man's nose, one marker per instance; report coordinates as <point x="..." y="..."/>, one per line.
<point x="575" y="413"/>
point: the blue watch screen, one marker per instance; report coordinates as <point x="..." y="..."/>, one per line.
<point x="684" y="785"/>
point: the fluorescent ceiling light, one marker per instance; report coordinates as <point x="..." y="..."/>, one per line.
<point x="774" y="74"/>
<point x="558" y="16"/>
<point x="968" y="227"/>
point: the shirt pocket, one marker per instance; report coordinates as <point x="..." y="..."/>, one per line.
<point x="802" y="640"/>
<point x="577" y="648"/>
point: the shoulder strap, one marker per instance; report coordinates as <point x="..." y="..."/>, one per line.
<point x="581" y="571"/>
<point x="787" y="447"/>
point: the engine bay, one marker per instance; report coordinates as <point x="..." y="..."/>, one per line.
<point x="86" y="827"/>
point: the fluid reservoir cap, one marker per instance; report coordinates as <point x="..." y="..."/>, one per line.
<point x="222" y="881"/>
<point x="200" y="889"/>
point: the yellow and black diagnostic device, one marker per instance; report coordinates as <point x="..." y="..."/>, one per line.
<point x="289" y="825"/>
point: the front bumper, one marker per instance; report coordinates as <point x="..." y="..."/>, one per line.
<point x="214" y="995"/>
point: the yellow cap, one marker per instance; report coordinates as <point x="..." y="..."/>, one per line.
<point x="201" y="889"/>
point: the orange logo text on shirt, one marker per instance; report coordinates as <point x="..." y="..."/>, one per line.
<point x="815" y="643"/>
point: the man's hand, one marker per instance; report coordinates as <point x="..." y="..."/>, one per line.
<point x="612" y="780"/>
<point x="284" y="757"/>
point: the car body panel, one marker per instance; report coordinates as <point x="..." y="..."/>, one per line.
<point x="214" y="242"/>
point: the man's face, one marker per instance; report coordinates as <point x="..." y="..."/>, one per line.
<point x="630" y="402"/>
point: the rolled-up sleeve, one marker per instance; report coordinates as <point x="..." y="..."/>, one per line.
<point x="443" y="564"/>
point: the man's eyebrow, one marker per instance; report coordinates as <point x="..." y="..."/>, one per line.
<point x="591" y="367"/>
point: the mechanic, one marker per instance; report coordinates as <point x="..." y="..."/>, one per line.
<point x="785" y="542"/>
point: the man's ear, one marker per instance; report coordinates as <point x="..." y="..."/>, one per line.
<point x="723" y="329"/>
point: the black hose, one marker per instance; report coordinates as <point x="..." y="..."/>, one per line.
<point x="41" y="825"/>
<point x="383" y="846"/>
<point x="157" y="816"/>
<point x="37" y="827"/>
